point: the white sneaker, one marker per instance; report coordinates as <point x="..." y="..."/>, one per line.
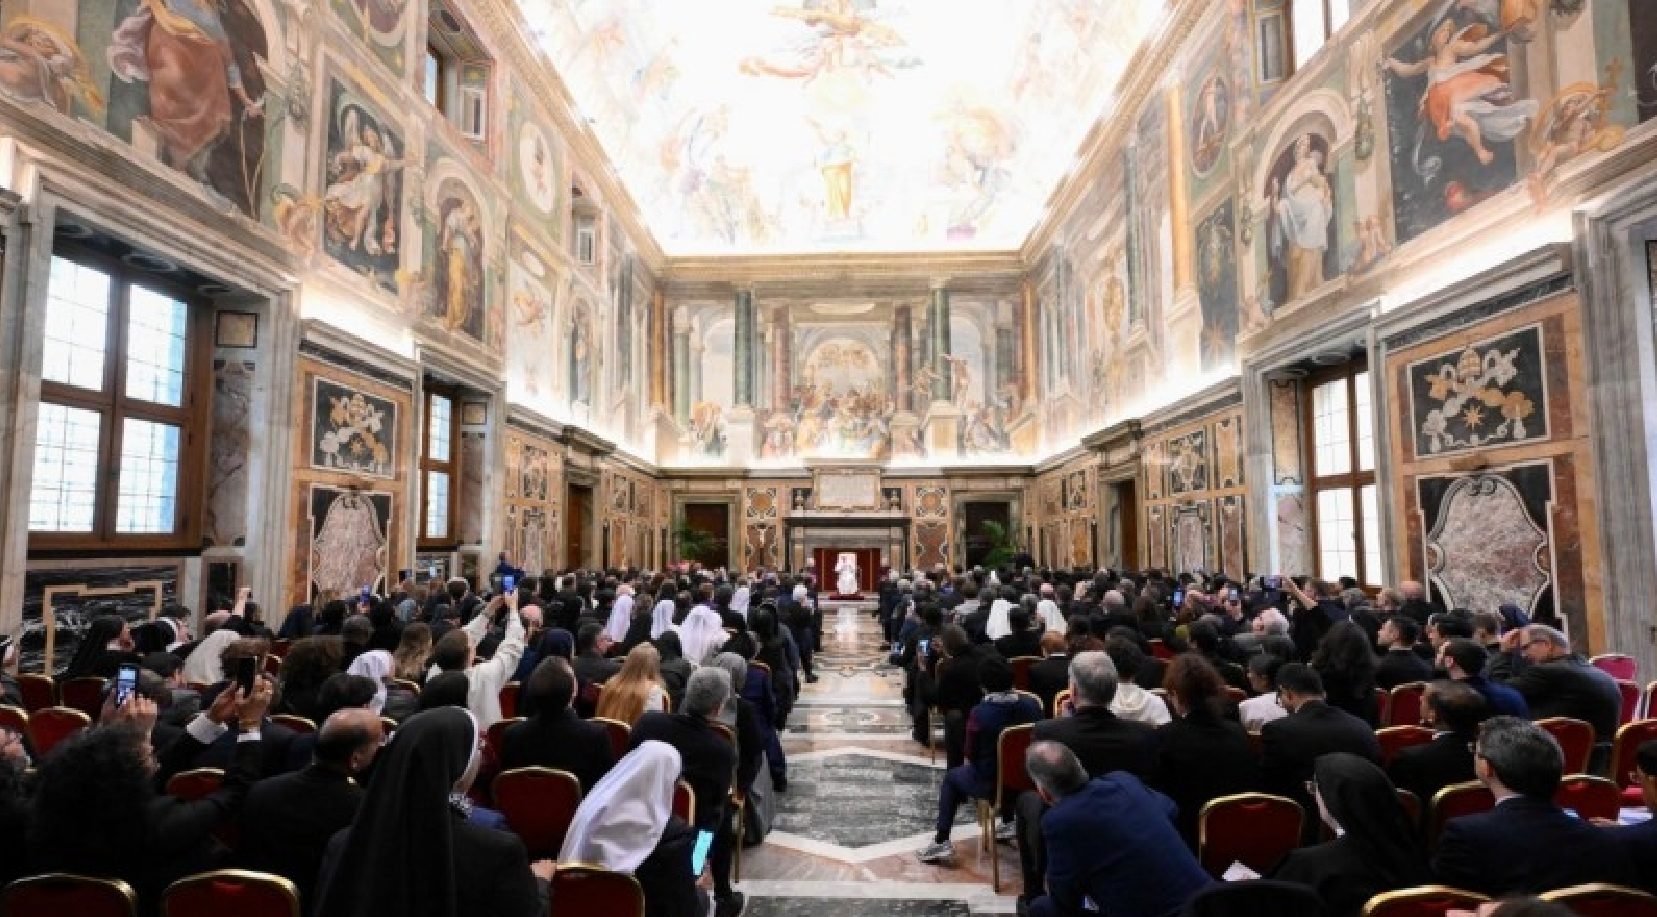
<point x="941" y="852"/>
<point x="1005" y="832"/>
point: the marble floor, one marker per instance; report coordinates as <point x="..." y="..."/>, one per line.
<point x="862" y="798"/>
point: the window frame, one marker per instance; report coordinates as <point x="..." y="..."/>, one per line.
<point x="1353" y="480"/>
<point x="114" y="406"/>
<point x="451" y="539"/>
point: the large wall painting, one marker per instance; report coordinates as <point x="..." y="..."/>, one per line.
<point x="40" y="63"/>
<point x="352" y="431"/>
<point x="537" y="172"/>
<point x="530" y="341"/>
<point x="363" y="200"/>
<point x="1489" y="393"/>
<point x="1217" y="287"/>
<point x="383" y="26"/>
<point x="1301" y="251"/>
<point x="455" y="259"/>
<point x="1642" y="28"/>
<point x="1453" y="112"/>
<point x="349" y="531"/>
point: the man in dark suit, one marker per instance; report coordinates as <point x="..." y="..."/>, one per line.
<point x="1465" y="661"/>
<point x="1641" y="840"/>
<point x="287" y="820"/>
<point x="591" y="665"/>
<point x="1455" y="710"/>
<point x="707" y="762"/>
<point x="1400" y="663"/>
<point x="1101" y="740"/>
<point x="1023" y="641"/>
<point x="956" y="689"/>
<point x="1290" y="745"/>
<point x="554" y="737"/>
<point x="1052" y="674"/>
<point x="1525" y="844"/>
<point x="1537" y="662"/>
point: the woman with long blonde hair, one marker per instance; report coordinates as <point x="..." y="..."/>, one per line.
<point x="414" y="651"/>
<point x="638" y="687"/>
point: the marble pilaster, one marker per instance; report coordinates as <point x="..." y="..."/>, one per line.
<point x="943" y="387"/>
<point x="742" y="362"/>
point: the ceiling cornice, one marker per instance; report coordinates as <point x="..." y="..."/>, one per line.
<point x="841" y="267"/>
<point x="1150" y="65"/>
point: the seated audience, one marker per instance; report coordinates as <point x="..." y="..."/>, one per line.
<point x="1261" y="709"/>
<point x="1400" y="663"/>
<point x="411" y="850"/>
<point x="456" y="651"/>
<point x="1052" y="674"/>
<point x="1464" y="661"/>
<point x="635" y="689"/>
<point x="104" y="648"/>
<point x="1133" y="702"/>
<point x="1201" y="755"/>
<point x="1112" y="842"/>
<point x="1346" y="665"/>
<point x="1000" y="708"/>
<point x="308" y="664"/>
<point x="1024" y="640"/>
<point x="1454" y="711"/>
<point x="1525" y="844"/>
<point x="626" y="824"/>
<point x="1538" y="663"/>
<point x="1641" y="840"/>
<point x="552" y="736"/>
<point x="287" y="820"/>
<point x="1290" y="746"/>
<point x="1375" y="847"/>
<point x="413" y="653"/>
<point x="741" y="716"/>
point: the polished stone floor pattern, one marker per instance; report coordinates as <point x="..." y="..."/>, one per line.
<point x="857" y="800"/>
<point x="852" y="907"/>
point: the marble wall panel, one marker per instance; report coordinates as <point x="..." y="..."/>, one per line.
<point x="931" y="544"/>
<point x="1233" y="561"/>
<point x="1188" y="463"/>
<point x="1156" y="537"/>
<point x="349" y="540"/>
<point x="1488" y="541"/>
<point x="1285" y="421"/>
<point x="225" y="522"/>
<point x="1293" y="549"/>
<point x="134" y="591"/>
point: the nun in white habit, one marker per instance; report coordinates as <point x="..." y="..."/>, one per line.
<point x="621" y="614"/>
<point x="999" y="624"/>
<point x="661" y="618"/>
<point x="701" y="632"/>
<point x="740" y="600"/>
<point x="378" y="665"/>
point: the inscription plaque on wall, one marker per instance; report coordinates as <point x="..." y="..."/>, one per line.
<point x="848" y="490"/>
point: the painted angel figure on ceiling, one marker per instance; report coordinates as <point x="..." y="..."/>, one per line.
<point x="843" y="38"/>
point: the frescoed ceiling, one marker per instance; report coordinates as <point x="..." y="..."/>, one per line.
<point x="753" y="126"/>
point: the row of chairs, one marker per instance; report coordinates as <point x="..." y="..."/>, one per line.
<point x="1597" y="899"/>
<point x="577" y="890"/>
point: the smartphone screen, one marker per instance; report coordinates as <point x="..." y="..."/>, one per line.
<point x="924" y="646"/>
<point x="1274" y="582"/>
<point x="367" y="593"/>
<point x="699" y="856"/>
<point x="1235" y="595"/>
<point x="509" y="583"/>
<point x="1179" y="597"/>
<point x="247" y="668"/>
<point x="126" y="682"/>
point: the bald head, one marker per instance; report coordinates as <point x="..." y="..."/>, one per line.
<point x="349" y="739"/>
<point x="1412" y="590"/>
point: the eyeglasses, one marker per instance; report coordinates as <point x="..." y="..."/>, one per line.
<point x="1528" y="644"/>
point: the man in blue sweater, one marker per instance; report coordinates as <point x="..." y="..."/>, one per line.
<point x="1000" y="708"/>
<point x="1111" y="842"/>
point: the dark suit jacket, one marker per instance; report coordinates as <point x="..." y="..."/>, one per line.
<point x="1048" y="677"/>
<point x="181" y="841"/>
<point x="1199" y="758"/>
<point x="288" y="820"/>
<point x="1103" y="741"/>
<point x="1399" y="667"/>
<point x="706" y="759"/>
<point x="1114" y="841"/>
<point x="1027" y="643"/>
<point x="1526" y="846"/>
<point x="560" y="741"/>
<point x="1342" y="874"/>
<point x="1426" y="769"/>
<point x="1568" y="686"/>
<point x="1641" y="843"/>
<point x="957" y="685"/>
<point x="491" y="870"/>
<point x="1291" y="744"/>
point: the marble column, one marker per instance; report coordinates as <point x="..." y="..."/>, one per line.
<point x="943" y="388"/>
<point x="903" y="355"/>
<point x="1006" y="355"/>
<point x="743" y="360"/>
<point x="781" y="353"/>
<point x="681" y="374"/>
<point x="1027" y="327"/>
<point x="697" y="348"/>
<point x="658" y="350"/>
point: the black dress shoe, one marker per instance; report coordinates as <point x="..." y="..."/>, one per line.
<point x="729" y="906"/>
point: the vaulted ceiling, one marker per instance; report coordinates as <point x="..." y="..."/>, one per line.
<point x="757" y="127"/>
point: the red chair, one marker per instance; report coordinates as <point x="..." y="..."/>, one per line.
<point x="1630" y="701"/>
<point x="739" y="804"/>
<point x="15" y="719"/>
<point x="1618" y="665"/>
<point x="61" y="893"/>
<point x="1235" y="695"/>
<point x="1648" y="705"/>
<point x="52" y="725"/>
<point x="1589" y="796"/>
<point x="1394" y="739"/>
<point x="1601" y="899"/>
<point x="539" y="803"/>
<point x="40" y="691"/>
<point x="1576" y="740"/>
<point x="1404" y="704"/>
<point x="1062" y="705"/>
<point x="85" y="694"/>
<point x="273" y="665"/>
<point x="581" y="890"/>
<point x="192" y="785"/>
<point x="1159" y="649"/>
<point x="279" y="648"/>
<point x="620" y="734"/>
<point x="1422" y="901"/>
<point x="298" y="724"/>
<point x="1010" y="776"/>
<point x="1021" y="670"/>
<point x="1623" y="769"/>
<point x="1454" y="801"/>
<point x="684" y="802"/>
<point x="1383" y="702"/>
<point x="231" y="891"/>
<point x="492" y="738"/>
<point x="509" y="699"/>
<point x="1255" y="829"/>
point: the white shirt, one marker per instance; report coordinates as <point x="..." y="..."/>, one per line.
<point x="1258" y="711"/>
<point x="485" y="680"/>
<point x="1135" y="703"/>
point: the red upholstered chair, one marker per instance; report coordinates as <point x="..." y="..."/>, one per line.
<point x="620" y="734"/>
<point x="1404" y="704"/>
<point x="578" y="891"/>
<point x="509" y="699"/>
<point x="1383" y="705"/>
<point x="1648" y="705"/>
<point x="539" y="803"/>
<point x="1394" y="739"/>
<point x="52" y="725"/>
<point x="1589" y="796"/>
<point x="15" y="719"/>
<point x="1021" y="670"/>
<point x="1623" y="770"/>
<point x="1011" y="779"/>
<point x="1600" y="899"/>
<point x="739" y="803"/>
<point x="492" y="738"/>
<point x="1618" y="665"/>
<point x="1235" y="694"/>
<point x="684" y="802"/>
<point x="1576" y="740"/>
<point x="1454" y="801"/>
<point x="63" y="894"/>
<point x="1061" y="703"/>
<point x="1630" y="700"/>
<point x="231" y="891"/>
<point x="84" y="694"/>
<point x="296" y="723"/>
<point x="279" y="648"/>
<point x="1422" y="901"/>
<point x="273" y="665"/>
<point x="1159" y="649"/>
<point x="192" y="785"/>
<point x="40" y="691"/>
<point x="1255" y="829"/>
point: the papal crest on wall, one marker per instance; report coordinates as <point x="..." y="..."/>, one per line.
<point x="352" y="431"/>
<point x="1489" y="393"/>
<point x="762" y="503"/>
<point x="1188" y="462"/>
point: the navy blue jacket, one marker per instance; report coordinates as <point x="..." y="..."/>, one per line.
<point x="985" y="724"/>
<point x="1114" y="841"/>
<point x="1525" y="846"/>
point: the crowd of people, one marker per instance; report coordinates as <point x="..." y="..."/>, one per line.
<point x="1143" y="692"/>
<point x="385" y="808"/>
<point x="1142" y="743"/>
